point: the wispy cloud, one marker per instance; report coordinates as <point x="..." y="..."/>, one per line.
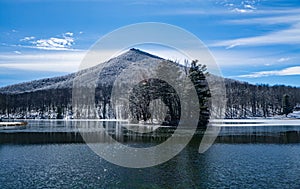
<point x="278" y="19"/>
<point x="289" y="36"/>
<point x="70" y="34"/>
<point x="52" y="61"/>
<point x="247" y="6"/>
<point x="17" y="52"/>
<point x="190" y="11"/>
<point x="242" y="10"/>
<point x="284" y="72"/>
<point x="284" y="59"/>
<point x="289" y="17"/>
<point x="234" y="58"/>
<point x="29" y="38"/>
<point x="212" y="7"/>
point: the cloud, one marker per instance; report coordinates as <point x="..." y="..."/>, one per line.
<point x="212" y="7"/>
<point x="27" y="38"/>
<point x="52" y="61"/>
<point x="269" y="20"/>
<point x="233" y="58"/>
<point x="284" y="72"/>
<point x="70" y="34"/>
<point x="269" y="17"/>
<point x="238" y="10"/>
<point x="284" y="59"/>
<point x="241" y="60"/>
<point x="289" y="36"/>
<point x="54" y="43"/>
<point x="249" y="7"/>
<point x="63" y="42"/>
<point x="240" y="7"/>
<point x="185" y="12"/>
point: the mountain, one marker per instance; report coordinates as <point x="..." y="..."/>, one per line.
<point x="112" y="68"/>
<point x="52" y="97"/>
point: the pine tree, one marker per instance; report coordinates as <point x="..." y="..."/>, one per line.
<point x="197" y="74"/>
<point x="286" y="105"/>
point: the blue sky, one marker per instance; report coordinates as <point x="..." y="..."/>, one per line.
<point x="257" y="41"/>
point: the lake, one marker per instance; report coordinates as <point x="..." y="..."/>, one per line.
<point x="242" y="157"/>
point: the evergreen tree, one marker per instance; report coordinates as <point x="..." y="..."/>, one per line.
<point x="59" y="113"/>
<point x="286" y="106"/>
<point x="197" y="74"/>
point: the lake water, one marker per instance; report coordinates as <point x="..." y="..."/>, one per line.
<point x="265" y="159"/>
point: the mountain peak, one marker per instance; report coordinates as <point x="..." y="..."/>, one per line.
<point x="140" y="52"/>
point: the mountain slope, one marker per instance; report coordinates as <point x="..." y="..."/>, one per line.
<point x="111" y="68"/>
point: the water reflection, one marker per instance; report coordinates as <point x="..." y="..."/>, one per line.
<point x="222" y="166"/>
<point x="62" y="131"/>
<point x="260" y="134"/>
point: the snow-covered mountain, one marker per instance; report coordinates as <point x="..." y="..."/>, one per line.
<point x="53" y="94"/>
<point x="45" y="96"/>
<point x="111" y="68"/>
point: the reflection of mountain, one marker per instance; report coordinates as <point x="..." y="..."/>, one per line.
<point x="51" y="97"/>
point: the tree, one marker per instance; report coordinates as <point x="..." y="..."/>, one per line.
<point x="153" y="89"/>
<point x="197" y="74"/>
<point x="286" y="105"/>
<point x="59" y="113"/>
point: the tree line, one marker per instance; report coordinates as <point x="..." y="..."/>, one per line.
<point x="261" y="100"/>
<point x="243" y="99"/>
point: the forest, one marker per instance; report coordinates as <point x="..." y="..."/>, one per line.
<point x="261" y="100"/>
<point x="244" y="100"/>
